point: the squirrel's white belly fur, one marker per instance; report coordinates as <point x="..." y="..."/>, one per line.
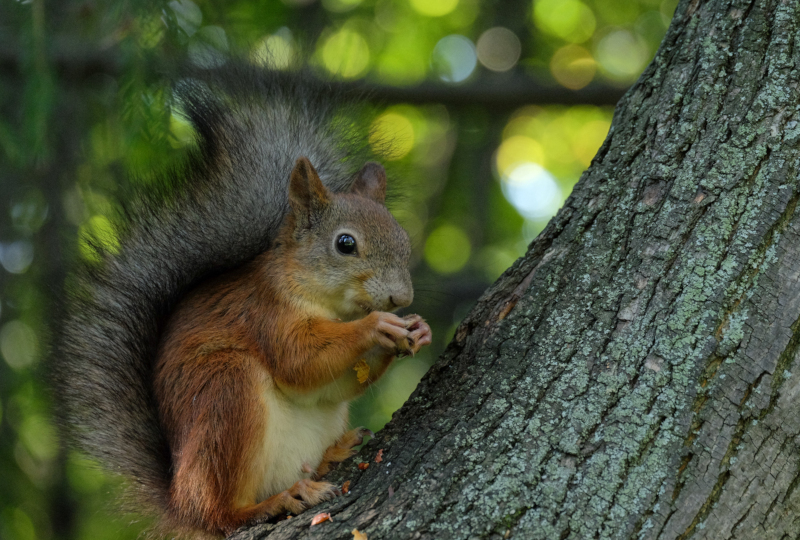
<point x="297" y="433"/>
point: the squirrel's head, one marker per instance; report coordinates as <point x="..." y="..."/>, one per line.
<point x="347" y="252"/>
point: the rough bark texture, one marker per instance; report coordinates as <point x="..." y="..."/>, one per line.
<point x="631" y="376"/>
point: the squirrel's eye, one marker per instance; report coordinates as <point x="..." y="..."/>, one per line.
<point x="346" y="244"/>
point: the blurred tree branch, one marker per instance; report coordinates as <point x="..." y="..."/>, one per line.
<point x="494" y="92"/>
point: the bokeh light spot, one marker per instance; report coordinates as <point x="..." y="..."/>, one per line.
<point x="516" y="150"/>
<point x="498" y="49"/>
<point x="590" y="137"/>
<point x="454" y="58"/>
<point x="392" y="135"/>
<point x="18" y="344"/>
<point x="622" y="55"/>
<point x="434" y="8"/>
<point x="346" y="54"/>
<point x="39" y="437"/>
<point x="16" y="257"/>
<point x="207" y="47"/>
<point x="447" y="249"/>
<point x="532" y="191"/>
<point x="277" y="51"/>
<point x="573" y="67"/>
<point x="187" y="15"/>
<point x="29" y="214"/>
<point x="571" y="20"/>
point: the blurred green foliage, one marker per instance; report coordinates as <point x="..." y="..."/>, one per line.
<point x="83" y="110"/>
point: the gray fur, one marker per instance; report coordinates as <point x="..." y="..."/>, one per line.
<point x="231" y="198"/>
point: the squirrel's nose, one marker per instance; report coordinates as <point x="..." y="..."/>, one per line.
<point x="399" y="300"/>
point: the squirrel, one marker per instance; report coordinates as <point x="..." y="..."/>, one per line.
<point x="210" y="357"/>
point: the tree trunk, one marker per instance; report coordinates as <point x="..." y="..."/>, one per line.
<point x="631" y="376"/>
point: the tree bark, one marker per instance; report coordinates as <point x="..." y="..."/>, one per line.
<point x="631" y="376"/>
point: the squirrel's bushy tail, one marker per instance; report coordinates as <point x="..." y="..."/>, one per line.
<point x="230" y="199"/>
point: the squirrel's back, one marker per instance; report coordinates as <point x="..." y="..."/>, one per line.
<point x="215" y="213"/>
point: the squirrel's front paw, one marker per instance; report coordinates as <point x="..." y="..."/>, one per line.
<point x="389" y="331"/>
<point x="419" y="333"/>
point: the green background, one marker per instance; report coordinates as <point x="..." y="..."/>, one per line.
<point x="495" y="108"/>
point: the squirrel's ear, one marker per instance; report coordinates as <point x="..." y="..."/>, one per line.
<point x="307" y="194"/>
<point x="371" y="182"/>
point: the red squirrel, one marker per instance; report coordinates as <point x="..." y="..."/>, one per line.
<point x="256" y="368"/>
<point x="209" y="356"/>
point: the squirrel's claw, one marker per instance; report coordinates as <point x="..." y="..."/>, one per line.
<point x="420" y="336"/>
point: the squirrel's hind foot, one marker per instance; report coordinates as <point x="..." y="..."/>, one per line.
<point x="342" y="449"/>
<point x="312" y="493"/>
<point x="302" y="495"/>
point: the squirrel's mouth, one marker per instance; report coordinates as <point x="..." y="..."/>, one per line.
<point x="366" y="308"/>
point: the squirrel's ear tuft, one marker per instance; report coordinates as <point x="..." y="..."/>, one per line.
<point x="371" y="182"/>
<point x="307" y="194"/>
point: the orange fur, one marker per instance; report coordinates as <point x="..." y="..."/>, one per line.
<point x="267" y="335"/>
<point x="209" y="381"/>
